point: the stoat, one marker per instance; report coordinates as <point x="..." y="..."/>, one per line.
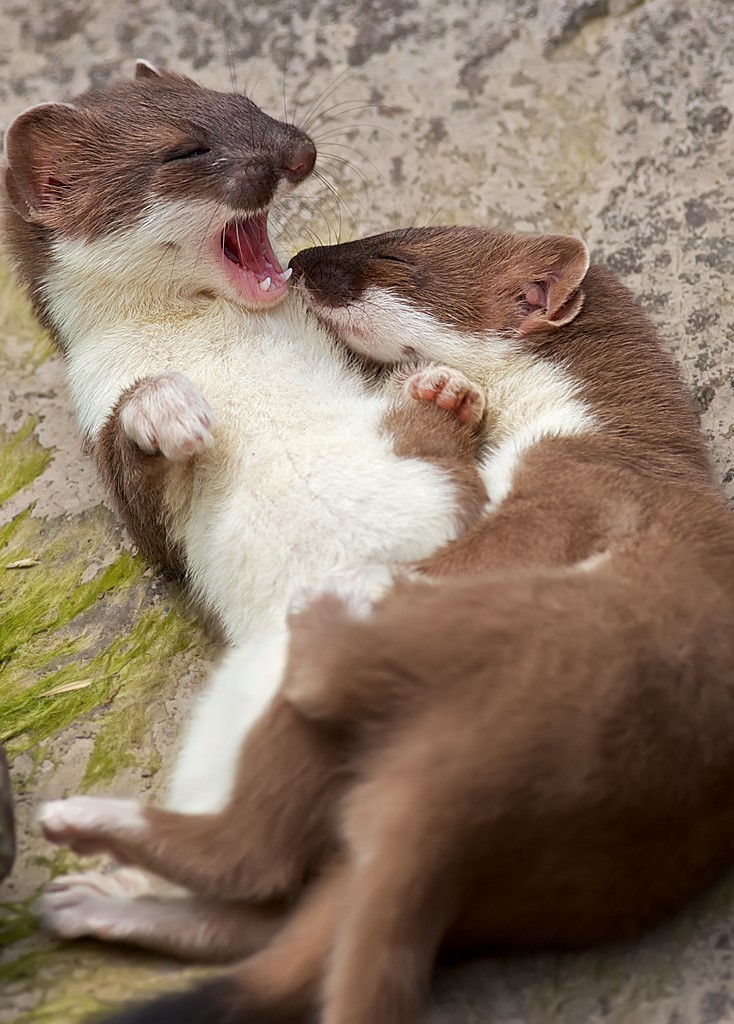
<point x="239" y="443"/>
<point x="534" y="745"/>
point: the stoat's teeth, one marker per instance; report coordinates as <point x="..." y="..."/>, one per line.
<point x="264" y="285"/>
<point x="287" y="273"/>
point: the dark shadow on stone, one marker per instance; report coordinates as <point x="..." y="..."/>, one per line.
<point x="7" y="819"/>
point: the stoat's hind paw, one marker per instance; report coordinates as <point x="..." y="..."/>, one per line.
<point x="89" y="824"/>
<point x="91" y="904"/>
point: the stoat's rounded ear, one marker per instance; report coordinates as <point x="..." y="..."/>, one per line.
<point x="554" y="297"/>
<point x="37" y="145"/>
<point x="146" y="69"/>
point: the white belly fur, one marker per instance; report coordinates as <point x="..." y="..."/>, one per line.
<point x="300" y="482"/>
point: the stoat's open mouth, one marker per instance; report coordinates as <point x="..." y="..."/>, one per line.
<point x="250" y="261"/>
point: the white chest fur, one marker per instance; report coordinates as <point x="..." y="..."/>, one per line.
<point x="528" y="397"/>
<point x="300" y="482"/>
<point x="534" y="400"/>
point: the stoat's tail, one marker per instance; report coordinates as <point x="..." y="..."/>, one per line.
<point x="214" y="1002"/>
<point x="217" y="1001"/>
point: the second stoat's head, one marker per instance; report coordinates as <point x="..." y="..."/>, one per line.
<point x="443" y="294"/>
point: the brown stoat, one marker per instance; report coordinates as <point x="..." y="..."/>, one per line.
<point x="241" y="445"/>
<point x="534" y="748"/>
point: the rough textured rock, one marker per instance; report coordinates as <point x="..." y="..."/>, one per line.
<point x="607" y="118"/>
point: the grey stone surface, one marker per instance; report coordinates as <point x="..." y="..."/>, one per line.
<point x="606" y="118"/>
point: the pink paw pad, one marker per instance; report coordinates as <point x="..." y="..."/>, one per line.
<point x="450" y="390"/>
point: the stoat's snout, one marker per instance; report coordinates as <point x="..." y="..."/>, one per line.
<point x="338" y="275"/>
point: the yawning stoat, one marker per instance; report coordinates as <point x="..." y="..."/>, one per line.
<point x="535" y="749"/>
<point x="239" y="443"/>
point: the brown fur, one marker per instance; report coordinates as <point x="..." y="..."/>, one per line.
<point x="608" y="345"/>
<point x="546" y="271"/>
<point x="136" y="483"/>
<point x="572" y="767"/>
<point x="530" y="752"/>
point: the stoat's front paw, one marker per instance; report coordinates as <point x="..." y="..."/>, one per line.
<point x="450" y="390"/>
<point x="167" y="414"/>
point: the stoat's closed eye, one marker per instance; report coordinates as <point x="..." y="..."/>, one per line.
<point x="190" y="152"/>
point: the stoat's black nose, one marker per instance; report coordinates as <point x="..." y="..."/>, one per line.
<point x="296" y="266"/>
<point x="300" y="162"/>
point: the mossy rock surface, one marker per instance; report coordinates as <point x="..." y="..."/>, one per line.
<point x="98" y="659"/>
<point x="609" y="120"/>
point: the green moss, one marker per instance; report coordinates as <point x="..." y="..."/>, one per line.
<point x="22" y="968"/>
<point x="54" y="632"/>
<point x="137" y="664"/>
<point x="48" y="596"/>
<point x="17" y="921"/>
<point x="73" y="980"/>
<point x="60" y="861"/>
<point x="22" y="458"/>
<point x="76" y="1007"/>
<point x="40" y="604"/>
<point x="25" y="344"/>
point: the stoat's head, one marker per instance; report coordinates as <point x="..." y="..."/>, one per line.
<point x="443" y="294"/>
<point x="155" y="181"/>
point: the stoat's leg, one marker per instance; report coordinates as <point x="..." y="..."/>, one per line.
<point x="275" y="830"/>
<point x="418" y="419"/>
<point x="396" y="907"/>
<point x="159" y="421"/>
<point x="436" y="417"/>
<point x="102" y="907"/>
<point x="92" y="825"/>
